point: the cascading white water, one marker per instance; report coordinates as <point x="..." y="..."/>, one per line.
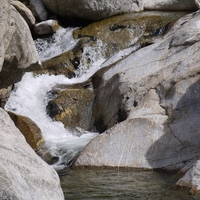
<point x="56" y="44"/>
<point x="29" y="97"/>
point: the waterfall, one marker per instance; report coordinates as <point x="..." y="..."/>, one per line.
<point x="56" y="44"/>
<point x="30" y="96"/>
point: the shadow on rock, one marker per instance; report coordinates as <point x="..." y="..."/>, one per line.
<point x="179" y="144"/>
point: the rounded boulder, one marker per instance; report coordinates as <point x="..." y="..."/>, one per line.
<point x="91" y="10"/>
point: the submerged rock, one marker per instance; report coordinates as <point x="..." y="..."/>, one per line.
<point x="24" y="175"/>
<point x="4" y="95"/>
<point x="150" y="113"/>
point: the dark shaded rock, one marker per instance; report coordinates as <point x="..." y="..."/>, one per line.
<point x="72" y="106"/>
<point x="38" y="9"/>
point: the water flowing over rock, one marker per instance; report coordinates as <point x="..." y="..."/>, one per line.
<point x="152" y="97"/>
<point x="101" y="40"/>
<point x="92" y="10"/>
<point x="144" y="98"/>
<point x="23" y="175"/>
<point x="18" y="51"/>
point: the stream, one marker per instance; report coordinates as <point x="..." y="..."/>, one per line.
<point x="109" y="184"/>
<point x="30" y="98"/>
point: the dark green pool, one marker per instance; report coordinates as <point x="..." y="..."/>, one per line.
<point x="120" y="185"/>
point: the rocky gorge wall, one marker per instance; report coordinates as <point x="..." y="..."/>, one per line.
<point x="145" y="104"/>
<point x="23" y="174"/>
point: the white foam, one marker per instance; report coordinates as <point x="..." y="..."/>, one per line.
<point x="56" y="44"/>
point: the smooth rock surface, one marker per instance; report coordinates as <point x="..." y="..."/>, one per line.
<point x="4" y="23"/>
<point x="176" y="5"/>
<point x="18" y="50"/>
<point x="38" y="9"/>
<point x="29" y="129"/>
<point x="25" y="12"/>
<point x="92" y="10"/>
<point x="23" y="175"/>
<point x="46" y="27"/>
<point x="191" y="179"/>
<point x="153" y="98"/>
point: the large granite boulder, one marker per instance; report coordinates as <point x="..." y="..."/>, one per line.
<point x="148" y="104"/>
<point x="18" y="50"/>
<point x="91" y="9"/>
<point x="25" y="12"/>
<point x="170" y="5"/>
<point x="24" y="175"/>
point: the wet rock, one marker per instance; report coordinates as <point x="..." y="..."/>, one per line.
<point x="68" y="62"/>
<point x="20" y="164"/>
<point x="46" y="27"/>
<point x="4" y="95"/>
<point x="29" y="129"/>
<point x="122" y="32"/>
<point x="49" y="158"/>
<point x="72" y="106"/>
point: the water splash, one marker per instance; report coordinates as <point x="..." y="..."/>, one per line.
<point x="56" y="44"/>
<point x="29" y="98"/>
